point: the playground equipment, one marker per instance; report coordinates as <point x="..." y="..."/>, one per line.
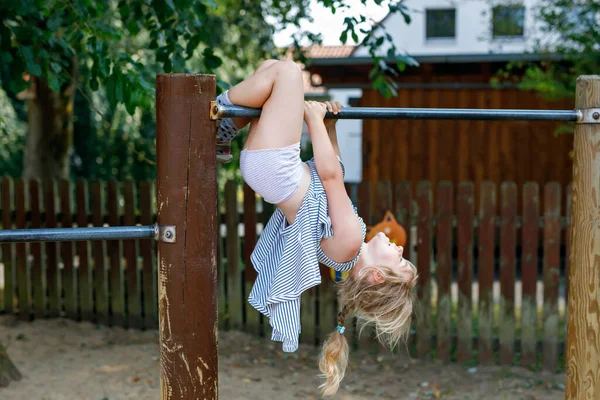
<point x="186" y="228"/>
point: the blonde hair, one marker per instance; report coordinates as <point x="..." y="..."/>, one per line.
<point x="387" y="305"/>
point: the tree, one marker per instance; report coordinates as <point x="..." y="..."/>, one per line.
<point x="570" y="31"/>
<point x="52" y="50"/>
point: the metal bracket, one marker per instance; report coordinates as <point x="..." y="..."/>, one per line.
<point x="214" y="110"/>
<point x="588" y="116"/>
<point x="165" y="233"/>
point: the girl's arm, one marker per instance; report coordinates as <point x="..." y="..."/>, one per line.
<point x="333" y="107"/>
<point x="347" y="231"/>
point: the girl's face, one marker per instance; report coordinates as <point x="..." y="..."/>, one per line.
<point x="382" y="253"/>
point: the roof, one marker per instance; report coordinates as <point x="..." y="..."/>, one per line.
<point x="320" y="52"/>
<point x="330" y="51"/>
<point x="441" y="59"/>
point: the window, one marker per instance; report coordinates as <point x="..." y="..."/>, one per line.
<point x="508" y="21"/>
<point x="441" y="23"/>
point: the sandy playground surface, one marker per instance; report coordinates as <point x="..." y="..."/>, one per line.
<point x="62" y="359"/>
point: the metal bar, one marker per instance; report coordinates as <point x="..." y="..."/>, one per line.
<point x="218" y="111"/>
<point x="78" y="234"/>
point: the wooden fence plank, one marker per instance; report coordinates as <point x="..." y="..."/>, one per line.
<point x="55" y="284"/>
<point x="99" y="256"/>
<point x="117" y="278"/>
<point x="234" y="275"/>
<point x="148" y="255"/>
<point x="69" y="276"/>
<point x="552" y="200"/>
<point x="444" y="268"/>
<point x="529" y="267"/>
<point x="132" y="273"/>
<point x="464" y="213"/>
<point x="23" y="272"/>
<point x="221" y="271"/>
<point x="252" y="315"/>
<point x="267" y="211"/>
<point x="365" y="210"/>
<point x="38" y="270"/>
<point x="308" y="316"/>
<point x="8" y="249"/>
<point x="383" y="200"/>
<point x="487" y="240"/>
<point x="424" y="199"/>
<point x="84" y="269"/>
<point x="402" y="212"/>
<point x="508" y="249"/>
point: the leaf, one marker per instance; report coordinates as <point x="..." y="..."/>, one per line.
<point x="354" y="36"/>
<point x="53" y="82"/>
<point x="344" y="37"/>
<point x="55" y="67"/>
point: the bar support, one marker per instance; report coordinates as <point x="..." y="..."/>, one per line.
<point x="582" y="360"/>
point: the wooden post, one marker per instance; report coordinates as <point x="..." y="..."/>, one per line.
<point x="583" y="330"/>
<point x="187" y="199"/>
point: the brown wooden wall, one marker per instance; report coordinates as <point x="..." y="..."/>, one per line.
<point x="465" y="150"/>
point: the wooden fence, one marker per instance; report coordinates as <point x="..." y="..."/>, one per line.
<point x="492" y="279"/>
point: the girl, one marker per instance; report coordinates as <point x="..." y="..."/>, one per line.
<point x="314" y="222"/>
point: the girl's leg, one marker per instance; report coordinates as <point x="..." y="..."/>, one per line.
<point x="229" y="127"/>
<point x="278" y="90"/>
<point x="242" y="122"/>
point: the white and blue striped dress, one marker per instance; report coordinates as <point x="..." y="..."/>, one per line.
<point x="287" y="259"/>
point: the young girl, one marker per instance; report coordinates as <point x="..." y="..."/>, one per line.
<point x="314" y="222"/>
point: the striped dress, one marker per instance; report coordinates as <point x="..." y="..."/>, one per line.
<point x="287" y="259"/>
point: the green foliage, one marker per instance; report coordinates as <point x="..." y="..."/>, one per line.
<point x="119" y="46"/>
<point x="574" y="33"/>
<point x="12" y="138"/>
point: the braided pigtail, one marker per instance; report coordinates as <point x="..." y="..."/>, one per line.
<point x="334" y="356"/>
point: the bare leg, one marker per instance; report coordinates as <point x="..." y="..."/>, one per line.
<point x="242" y="122"/>
<point x="278" y="89"/>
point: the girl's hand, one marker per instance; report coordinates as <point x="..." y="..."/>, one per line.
<point x="334" y="107"/>
<point x="314" y="111"/>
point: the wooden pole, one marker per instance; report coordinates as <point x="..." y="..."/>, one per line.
<point x="583" y="329"/>
<point x="187" y="273"/>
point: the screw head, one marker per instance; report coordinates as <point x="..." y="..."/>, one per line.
<point x="596" y="115"/>
<point x="169" y="234"/>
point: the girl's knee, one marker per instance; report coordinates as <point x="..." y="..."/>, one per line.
<point x="289" y="69"/>
<point x="266" y="64"/>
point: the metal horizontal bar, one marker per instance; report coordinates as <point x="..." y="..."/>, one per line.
<point x="218" y="111"/>
<point x="78" y="234"/>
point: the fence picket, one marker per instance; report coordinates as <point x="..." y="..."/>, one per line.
<point x="529" y="267"/>
<point x="424" y="199"/>
<point x="252" y="315"/>
<point x="8" y="249"/>
<point x="508" y="250"/>
<point x="148" y="255"/>
<point x="552" y="205"/>
<point x="68" y="277"/>
<point x="23" y="272"/>
<point x="464" y="211"/>
<point x="234" y="275"/>
<point x="115" y="249"/>
<point x="487" y="240"/>
<point x="38" y="267"/>
<point x="85" y="271"/>
<point x="444" y="199"/>
<point x="99" y="256"/>
<point x="132" y="273"/>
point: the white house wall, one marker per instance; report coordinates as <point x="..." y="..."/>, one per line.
<point x="473" y="30"/>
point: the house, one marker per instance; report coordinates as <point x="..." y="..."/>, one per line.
<point x="460" y="46"/>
